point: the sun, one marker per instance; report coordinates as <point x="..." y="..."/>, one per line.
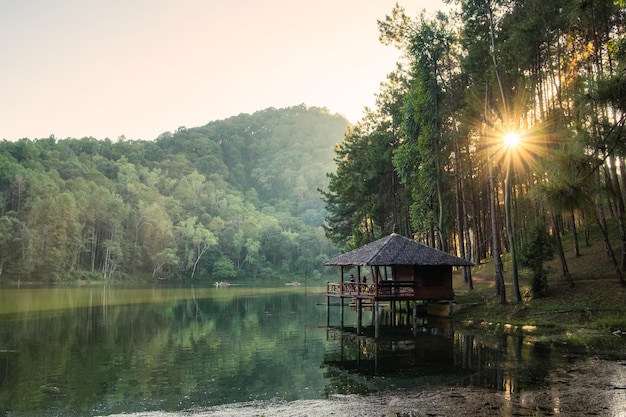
<point x="511" y="139"/>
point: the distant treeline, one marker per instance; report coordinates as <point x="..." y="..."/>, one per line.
<point x="235" y="198"/>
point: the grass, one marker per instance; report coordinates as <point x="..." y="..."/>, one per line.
<point x="596" y="303"/>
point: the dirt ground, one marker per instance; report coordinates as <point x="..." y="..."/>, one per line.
<point x="585" y="388"/>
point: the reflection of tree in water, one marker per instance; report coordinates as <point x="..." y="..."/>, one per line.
<point x="160" y="356"/>
<point x="502" y="363"/>
<point x="123" y="356"/>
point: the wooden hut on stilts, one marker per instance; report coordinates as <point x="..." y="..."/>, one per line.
<point x="394" y="269"/>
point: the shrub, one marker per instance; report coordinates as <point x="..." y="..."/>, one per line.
<point x="537" y="248"/>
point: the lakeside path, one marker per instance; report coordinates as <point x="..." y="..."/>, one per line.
<point x="591" y="387"/>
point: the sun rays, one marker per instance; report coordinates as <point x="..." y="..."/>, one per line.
<point x="522" y="145"/>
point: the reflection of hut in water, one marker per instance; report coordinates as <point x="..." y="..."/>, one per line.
<point x="424" y="359"/>
<point x="396" y="269"/>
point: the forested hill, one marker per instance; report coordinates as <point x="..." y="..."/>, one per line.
<point x="236" y="198"/>
<point x="283" y="155"/>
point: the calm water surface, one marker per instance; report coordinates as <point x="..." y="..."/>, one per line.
<point x="102" y="350"/>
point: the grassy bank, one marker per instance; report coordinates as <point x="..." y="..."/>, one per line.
<point x="596" y="303"/>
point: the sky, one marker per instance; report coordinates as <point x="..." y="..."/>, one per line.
<point x="139" y="68"/>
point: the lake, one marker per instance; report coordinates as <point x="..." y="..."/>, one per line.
<point x="84" y="351"/>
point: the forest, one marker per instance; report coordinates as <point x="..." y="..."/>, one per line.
<point x="500" y="132"/>
<point x="234" y="199"/>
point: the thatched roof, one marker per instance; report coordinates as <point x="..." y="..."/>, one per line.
<point x="397" y="250"/>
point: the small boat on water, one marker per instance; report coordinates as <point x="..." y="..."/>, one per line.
<point x="221" y="284"/>
<point x="293" y="283"/>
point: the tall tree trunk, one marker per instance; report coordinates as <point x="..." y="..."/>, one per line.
<point x="619" y="208"/>
<point x="495" y="249"/>
<point x="479" y="241"/>
<point x="601" y="220"/>
<point x="586" y="234"/>
<point x="105" y="264"/>
<point x="622" y="172"/>
<point x="575" y="235"/>
<point x="94" y="245"/>
<point x="559" y="248"/>
<point x="440" y="219"/>
<point x="460" y="214"/>
<point x="492" y="36"/>
<point x="407" y="222"/>
<point x="509" y="232"/>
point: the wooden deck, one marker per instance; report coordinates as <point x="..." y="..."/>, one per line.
<point x="387" y="291"/>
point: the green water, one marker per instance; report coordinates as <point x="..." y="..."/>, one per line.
<point x="101" y="350"/>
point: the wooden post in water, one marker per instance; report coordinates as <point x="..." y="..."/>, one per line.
<point x="408" y="312"/>
<point x="359" y="315"/>
<point x="327" y="310"/>
<point x="341" y="312"/>
<point x="376" y="319"/>
<point x="414" y="317"/>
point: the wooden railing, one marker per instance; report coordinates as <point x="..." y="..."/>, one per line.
<point x="333" y="288"/>
<point x="400" y="289"/>
<point x="388" y="290"/>
<point x="350" y="288"/>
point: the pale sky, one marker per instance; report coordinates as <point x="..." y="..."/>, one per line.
<point x="106" y="68"/>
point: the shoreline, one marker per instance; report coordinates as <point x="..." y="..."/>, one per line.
<point x="587" y="387"/>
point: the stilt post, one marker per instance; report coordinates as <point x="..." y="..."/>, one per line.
<point x="376" y="319"/>
<point x="341" y="312"/>
<point x="359" y="315"/>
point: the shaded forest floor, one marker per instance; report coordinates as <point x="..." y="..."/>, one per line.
<point x="596" y="303"/>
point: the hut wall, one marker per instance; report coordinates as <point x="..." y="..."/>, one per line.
<point x="404" y="273"/>
<point x="434" y="282"/>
